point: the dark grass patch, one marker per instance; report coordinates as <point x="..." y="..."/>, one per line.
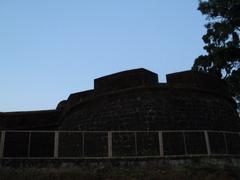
<point x="170" y="173"/>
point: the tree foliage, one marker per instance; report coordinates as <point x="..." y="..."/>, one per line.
<point x="222" y="42"/>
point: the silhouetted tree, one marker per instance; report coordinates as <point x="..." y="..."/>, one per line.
<point x="222" y="42"/>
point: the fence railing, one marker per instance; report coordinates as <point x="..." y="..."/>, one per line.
<point x="114" y="144"/>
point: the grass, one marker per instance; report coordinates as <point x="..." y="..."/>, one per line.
<point x="112" y="173"/>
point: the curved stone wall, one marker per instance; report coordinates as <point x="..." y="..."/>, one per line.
<point x="200" y="102"/>
<point x="156" y="108"/>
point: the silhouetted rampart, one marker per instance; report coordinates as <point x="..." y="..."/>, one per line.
<point x="131" y="101"/>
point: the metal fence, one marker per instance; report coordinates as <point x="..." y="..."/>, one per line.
<point x="115" y="144"/>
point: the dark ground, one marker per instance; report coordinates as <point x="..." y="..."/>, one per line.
<point x="166" y="173"/>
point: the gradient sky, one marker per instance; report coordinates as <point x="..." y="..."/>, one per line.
<point x="51" y="48"/>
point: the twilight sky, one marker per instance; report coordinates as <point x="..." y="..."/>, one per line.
<point x="51" y="48"/>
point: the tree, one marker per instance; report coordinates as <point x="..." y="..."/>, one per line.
<point x="222" y="42"/>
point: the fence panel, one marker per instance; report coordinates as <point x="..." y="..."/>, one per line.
<point x="147" y="144"/>
<point x="173" y="143"/>
<point x="42" y="144"/>
<point x="96" y="144"/>
<point x="233" y="143"/>
<point x="123" y="144"/>
<point x="195" y="143"/>
<point x="70" y="144"/>
<point x="217" y="143"/>
<point x="16" y="144"/>
<point x="2" y="139"/>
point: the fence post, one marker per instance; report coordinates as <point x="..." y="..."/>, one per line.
<point x="225" y="141"/>
<point x="109" y="144"/>
<point x="160" y="139"/>
<point x="135" y="140"/>
<point x="56" y="144"/>
<point x="2" y="144"/>
<point x="184" y="141"/>
<point x="83" y="153"/>
<point x="29" y="144"/>
<point x="207" y="142"/>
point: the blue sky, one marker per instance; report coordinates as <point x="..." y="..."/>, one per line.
<point x="51" y="48"/>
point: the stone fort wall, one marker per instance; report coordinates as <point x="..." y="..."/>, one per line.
<point x="185" y="116"/>
<point x="134" y="100"/>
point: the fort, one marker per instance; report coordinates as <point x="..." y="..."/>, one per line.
<point x="129" y="114"/>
